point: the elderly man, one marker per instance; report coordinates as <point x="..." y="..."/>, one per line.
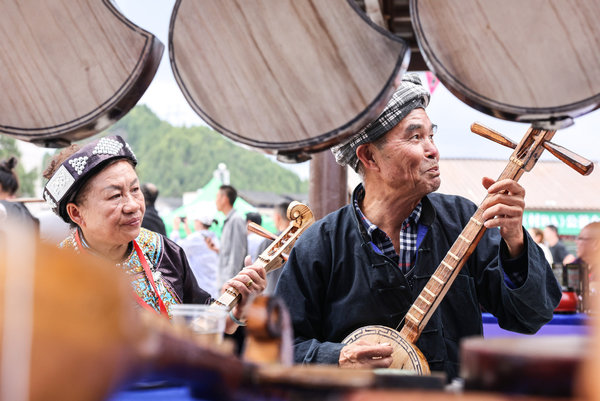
<point x="367" y="262"/>
<point x="234" y="244"/>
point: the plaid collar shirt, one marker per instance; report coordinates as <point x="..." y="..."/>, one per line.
<point x="408" y="236"/>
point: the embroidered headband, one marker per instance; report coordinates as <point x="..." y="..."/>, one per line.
<point x="68" y="179"/>
<point x="411" y="94"/>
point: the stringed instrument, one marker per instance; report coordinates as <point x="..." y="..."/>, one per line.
<point x="288" y="77"/>
<point x="406" y="355"/>
<point x="272" y="258"/>
<point x="70" y="68"/>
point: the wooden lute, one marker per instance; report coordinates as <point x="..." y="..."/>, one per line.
<point x="406" y="355"/>
<point x="272" y="258"/>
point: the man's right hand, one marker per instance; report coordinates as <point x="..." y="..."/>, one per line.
<point x="364" y="355"/>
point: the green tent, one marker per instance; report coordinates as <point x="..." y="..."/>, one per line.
<point x="205" y="203"/>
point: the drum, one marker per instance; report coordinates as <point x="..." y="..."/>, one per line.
<point x="70" y="68"/>
<point x="289" y="77"/>
<point x="534" y="62"/>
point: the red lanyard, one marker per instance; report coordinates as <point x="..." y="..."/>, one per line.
<point x="140" y="301"/>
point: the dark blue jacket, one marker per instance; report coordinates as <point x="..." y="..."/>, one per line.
<point x="335" y="282"/>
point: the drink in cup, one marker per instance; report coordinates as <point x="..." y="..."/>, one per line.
<point x="206" y="321"/>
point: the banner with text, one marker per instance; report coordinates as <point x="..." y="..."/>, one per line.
<point x="568" y="223"/>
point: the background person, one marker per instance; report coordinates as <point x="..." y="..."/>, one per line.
<point x="95" y="188"/>
<point x="538" y="236"/>
<point x="254" y="240"/>
<point x="203" y="261"/>
<point x="152" y="221"/>
<point x="9" y="186"/>
<point x="588" y="246"/>
<point x="588" y="257"/>
<point x="234" y="244"/>
<point x="559" y="251"/>
<point x="281" y="223"/>
<point x="366" y="263"/>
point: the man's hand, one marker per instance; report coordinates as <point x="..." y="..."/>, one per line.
<point x="504" y="208"/>
<point x="364" y="355"/>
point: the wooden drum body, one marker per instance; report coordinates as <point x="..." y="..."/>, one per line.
<point x="289" y="77"/>
<point x="528" y="62"/>
<point x="70" y="68"/>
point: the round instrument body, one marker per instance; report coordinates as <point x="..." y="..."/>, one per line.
<point x="406" y="356"/>
<point x="287" y="77"/>
<point x="531" y="62"/>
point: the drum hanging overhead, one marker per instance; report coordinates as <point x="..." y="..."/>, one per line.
<point x="287" y="76"/>
<point x="70" y="68"/>
<point x="536" y="61"/>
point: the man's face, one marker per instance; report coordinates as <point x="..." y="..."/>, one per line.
<point x="408" y="158"/>
<point x="550" y="236"/>
<point x="220" y="201"/>
<point x="587" y="245"/>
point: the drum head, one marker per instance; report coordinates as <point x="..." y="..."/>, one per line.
<point x="530" y="61"/>
<point x="284" y="76"/>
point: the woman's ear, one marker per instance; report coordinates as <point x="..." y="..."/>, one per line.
<point x="365" y="154"/>
<point x="74" y="213"/>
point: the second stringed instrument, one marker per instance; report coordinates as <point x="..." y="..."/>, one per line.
<point x="301" y="217"/>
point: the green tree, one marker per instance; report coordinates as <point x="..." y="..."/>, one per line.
<point x="181" y="159"/>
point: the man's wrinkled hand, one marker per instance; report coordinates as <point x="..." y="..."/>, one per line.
<point x="364" y="355"/>
<point x="504" y="208"/>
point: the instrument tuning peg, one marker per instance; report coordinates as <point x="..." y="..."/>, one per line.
<point x="492" y="135"/>
<point x="571" y="159"/>
<point x="578" y="163"/>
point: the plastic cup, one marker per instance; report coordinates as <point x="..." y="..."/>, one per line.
<point x="206" y="321"/>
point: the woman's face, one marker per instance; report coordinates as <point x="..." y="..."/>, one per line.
<point x="112" y="207"/>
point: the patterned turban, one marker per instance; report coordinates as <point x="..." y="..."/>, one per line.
<point x="411" y="94"/>
<point x="77" y="169"/>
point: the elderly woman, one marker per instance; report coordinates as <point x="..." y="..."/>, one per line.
<point x="95" y="188"/>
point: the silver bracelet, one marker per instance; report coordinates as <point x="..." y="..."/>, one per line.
<point x="235" y="320"/>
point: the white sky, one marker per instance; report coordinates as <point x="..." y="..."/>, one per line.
<point x="454" y="118"/>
